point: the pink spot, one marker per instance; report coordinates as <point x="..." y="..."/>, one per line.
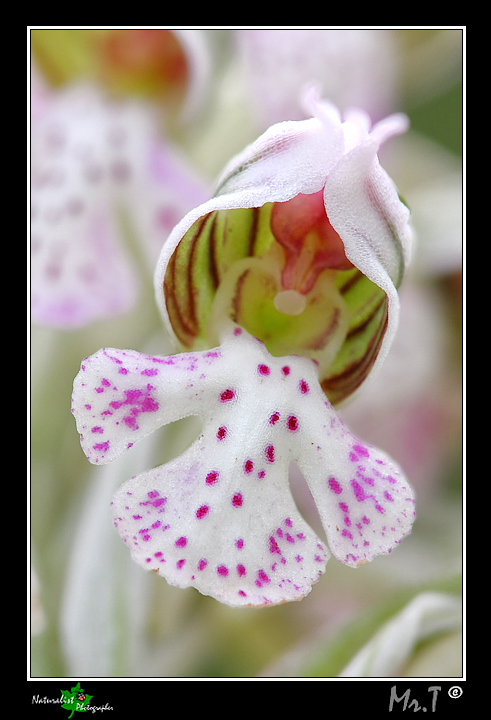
<point x="97" y="430"/>
<point x="239" y="544"/>
<point x="388" y="496"/>
<point x="285" y="370"/>
<point x="274" y="418"/>
<point x="273" y="546"/>
<point x="123" y="371"/>
<point x="149" y="405"/>
<point x="158" y="554"/>
<point x="335" y="486"/>
<point x="288" y="523"/>
<point x="202" y="511"/>
<point x="270" y="453"/>
<point x="346" y="533"/>
<point x="365" y="520"/>
<point x="103" y="447"/>
<point x="180" y="564"/>
<point x="181" y="542"/>
<point x="88" y="407"/>
<point x="248" y="466"/>
<point x="227" y="395"/>
<point x="241" y="571"/>
<point x="150" y="372"/>
<point x="292" y="423"/>
<point x="137" y="517"/>
<point x="136" y="397"/>
<point x="237" y="500"/>
<point x="105" y="382"/>
<point x="344" y="507"/>
<point x="132" y="396"/>
<point x="202" y="564"/>
<point x="361" y="450"/>
<point x="263" y="369"/>
<point x="358" y="490"/>
<point x="261" y="474"/>
<point x="130" y="421"/>
<point x="222" y="570"/>
<point x="153" y="493"/>
<point x="222" y="432"/>
<point x="242" y="593"/>
<point x="156" y="525"/>
<point x="212" y="477"/>
<point x="304" y="387"/>
<point x="238" y="331"/>
<point x="262" y="578"/>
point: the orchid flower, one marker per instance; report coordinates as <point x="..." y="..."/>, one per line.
<point x="172" y="67"/>
<point x="281" y="290"/>
<point x="96" y="162"/>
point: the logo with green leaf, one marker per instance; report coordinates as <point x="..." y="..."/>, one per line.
<point x="75" y="700"/>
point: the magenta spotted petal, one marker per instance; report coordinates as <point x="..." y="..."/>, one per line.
<point x="221" y="517"/>
<point x="99" y="167"/>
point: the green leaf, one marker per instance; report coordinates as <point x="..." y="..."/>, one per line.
<point x="330" y="658"/>
<point x="72" y="701"/>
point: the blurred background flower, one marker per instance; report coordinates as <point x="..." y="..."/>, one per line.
<point x="200" y="96"/>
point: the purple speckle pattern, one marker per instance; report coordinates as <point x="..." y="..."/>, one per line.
<point x="85" y="158"/>
<point x="121" y="395"/>
<point x="221" y="517"/>
<point x="91" y="156"/>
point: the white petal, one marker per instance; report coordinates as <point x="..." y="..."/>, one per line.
<point x="119" y="396"/>
<point x="235" y="535"/>
<point x="288" y="159"/>
<point x="221" y="516"/>
<point x="364" y="208"/>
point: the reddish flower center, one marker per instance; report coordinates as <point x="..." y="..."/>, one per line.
<point x="145" y="60"/>
<point x="311" y="244"/>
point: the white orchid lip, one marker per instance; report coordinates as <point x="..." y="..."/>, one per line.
<point x="225" y="242"/>
<point x="221" y="517"/>
<point x="291" y="269"/>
